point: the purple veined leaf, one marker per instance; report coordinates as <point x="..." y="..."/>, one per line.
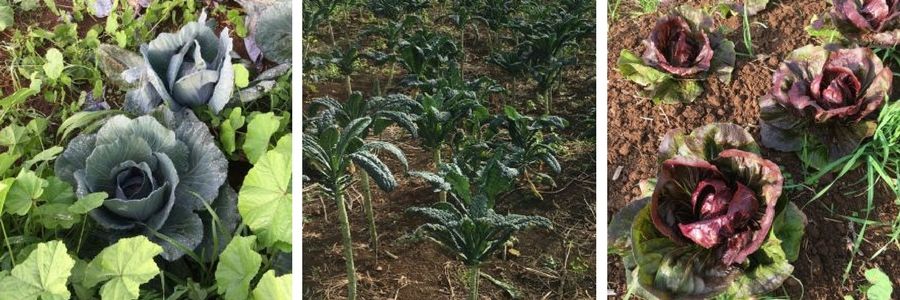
<point x="671" y="201"/>
<point x="866" y="16"/>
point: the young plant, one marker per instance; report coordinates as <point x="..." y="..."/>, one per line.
<point x="682" y="49"/>
<point x="330" y="150"/>
<point x="823" y="103"/>
<point x="384" y="111"/>
<point x="396" y="9"/>
<point x="531" y="143"/>
<point x="426" y="55"/>
<point x="162" y="172"/>
<point x="393" y="32"/>
<point x="714" y="224"/>
<point x="468" y="227"/>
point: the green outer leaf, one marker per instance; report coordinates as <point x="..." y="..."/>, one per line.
<point x="881" y="288"/>
<point x="722" y="63"/>
<point x="789" y="226"/>
<point x="265" y="200"/>
<point x="706" y="142"/>
<point x="42" y="275"/>
<point x="124" y="266"/>
<point x="53" y="216"/>
<point x="5" y="185"/>
<point x="676" y="91"/>
<point x="619" y="230"/>
<point x="670" y="271"/>
<point x="259" y="132"/>
<point x="633" y="68"/>
<point x="237" y="266"/>
<point x="767" y="270"/>
<point x="46" y="155"/>
<point x="23" y="192"/>
<point x="273" y="288"/>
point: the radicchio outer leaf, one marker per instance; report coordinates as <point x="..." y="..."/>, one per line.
<point x="706" y="142"/>
<point x="824" y="98"/>
<point x="868" y="21"/>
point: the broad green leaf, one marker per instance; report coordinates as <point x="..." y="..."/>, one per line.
<point x="265" y="200"/>
<point x="238" y="265"/>
<point x="54" y="216"/>
<point x="881" y="288"/>
<point x="46" y="155"/>
<point x="13" y="135"/>
<point x="633" y="68"/>
<point x="259" y="132"/>
<point x="124" y="266"/>
<point x="273" y="288"/>
<point x="58" y="191"/>
<point x="768" y="268"/>
<point x="7" y="159"/>
<point x="54" y="66"/>
<point x="228" y="129"/>
<point x="619" y="229"/>
<point x="6" y="16"/>
<point x="241" y="76"/>
<point x="88" y="203"/>
<point x="4" y="191"/>
<point x="789" y="228"/>
<point x="42" y="275"/>
<point x="23" y="192"/>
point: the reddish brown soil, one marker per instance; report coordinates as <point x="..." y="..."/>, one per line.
<point x="421" y="269"/>
<point x="639" y="125"/>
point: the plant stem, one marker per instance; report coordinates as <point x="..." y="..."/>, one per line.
<point x="473" y="282"/>
<point x="348" y="245"/>
<point x="349" y="87"/>
<point x="547" y="102"/>
<point x="370" y="214"/>
<point x="442" y="196"/>
<point x="462" y="48"/>
<point x="12" y="255"/>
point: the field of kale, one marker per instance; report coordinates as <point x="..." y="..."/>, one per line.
<point x="145" y="149"/>
<point x="808" y="87"/>
<point x="448" y="149"/>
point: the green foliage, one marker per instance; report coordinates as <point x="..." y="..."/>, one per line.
<point x="265" y="198"/>
<point x="881" y="286"/>
<point x="272" y="287"/>
<point x="259" y="132"/>
<point x="237" y="266"/>
<point x="123" y="266"/>
<point x="43" y="275"/>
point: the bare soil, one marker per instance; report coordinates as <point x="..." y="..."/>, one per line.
<point x="639" y="125"/>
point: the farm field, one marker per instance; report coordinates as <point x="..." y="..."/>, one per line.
<point x="852" y="226"/>
<point x="469" y="167"/>
<point x="145" y="149"/>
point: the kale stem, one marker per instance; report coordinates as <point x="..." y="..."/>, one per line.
<point x="473" y="282"/>
<point x="370" y="214"/>
<point x="348" y="245"/>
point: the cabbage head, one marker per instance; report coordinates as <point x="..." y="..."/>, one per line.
<point x="164" y="176"/>
<point x="190" y="68"/>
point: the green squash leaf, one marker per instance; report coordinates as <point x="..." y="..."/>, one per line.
<point x="88" y="203"/>
<point x="259" y="132"/>
<point x="6" y="16"/>
<point x="42" y="275"/>
<point x="237" y="266"/>
<point x="124" y="266"/>
<point x="23" y="192"/>
<point x="273" y="288"/>
<point x="265" y="198"/>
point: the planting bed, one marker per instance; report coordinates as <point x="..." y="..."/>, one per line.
<point x="636" y="127"/>
<point x="557" y="263"/>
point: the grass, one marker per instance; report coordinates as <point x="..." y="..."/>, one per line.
<point x="880" y="158"/>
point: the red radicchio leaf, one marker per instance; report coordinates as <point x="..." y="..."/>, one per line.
<point x="674" y="47"/>
<point x="871" y="16"/>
